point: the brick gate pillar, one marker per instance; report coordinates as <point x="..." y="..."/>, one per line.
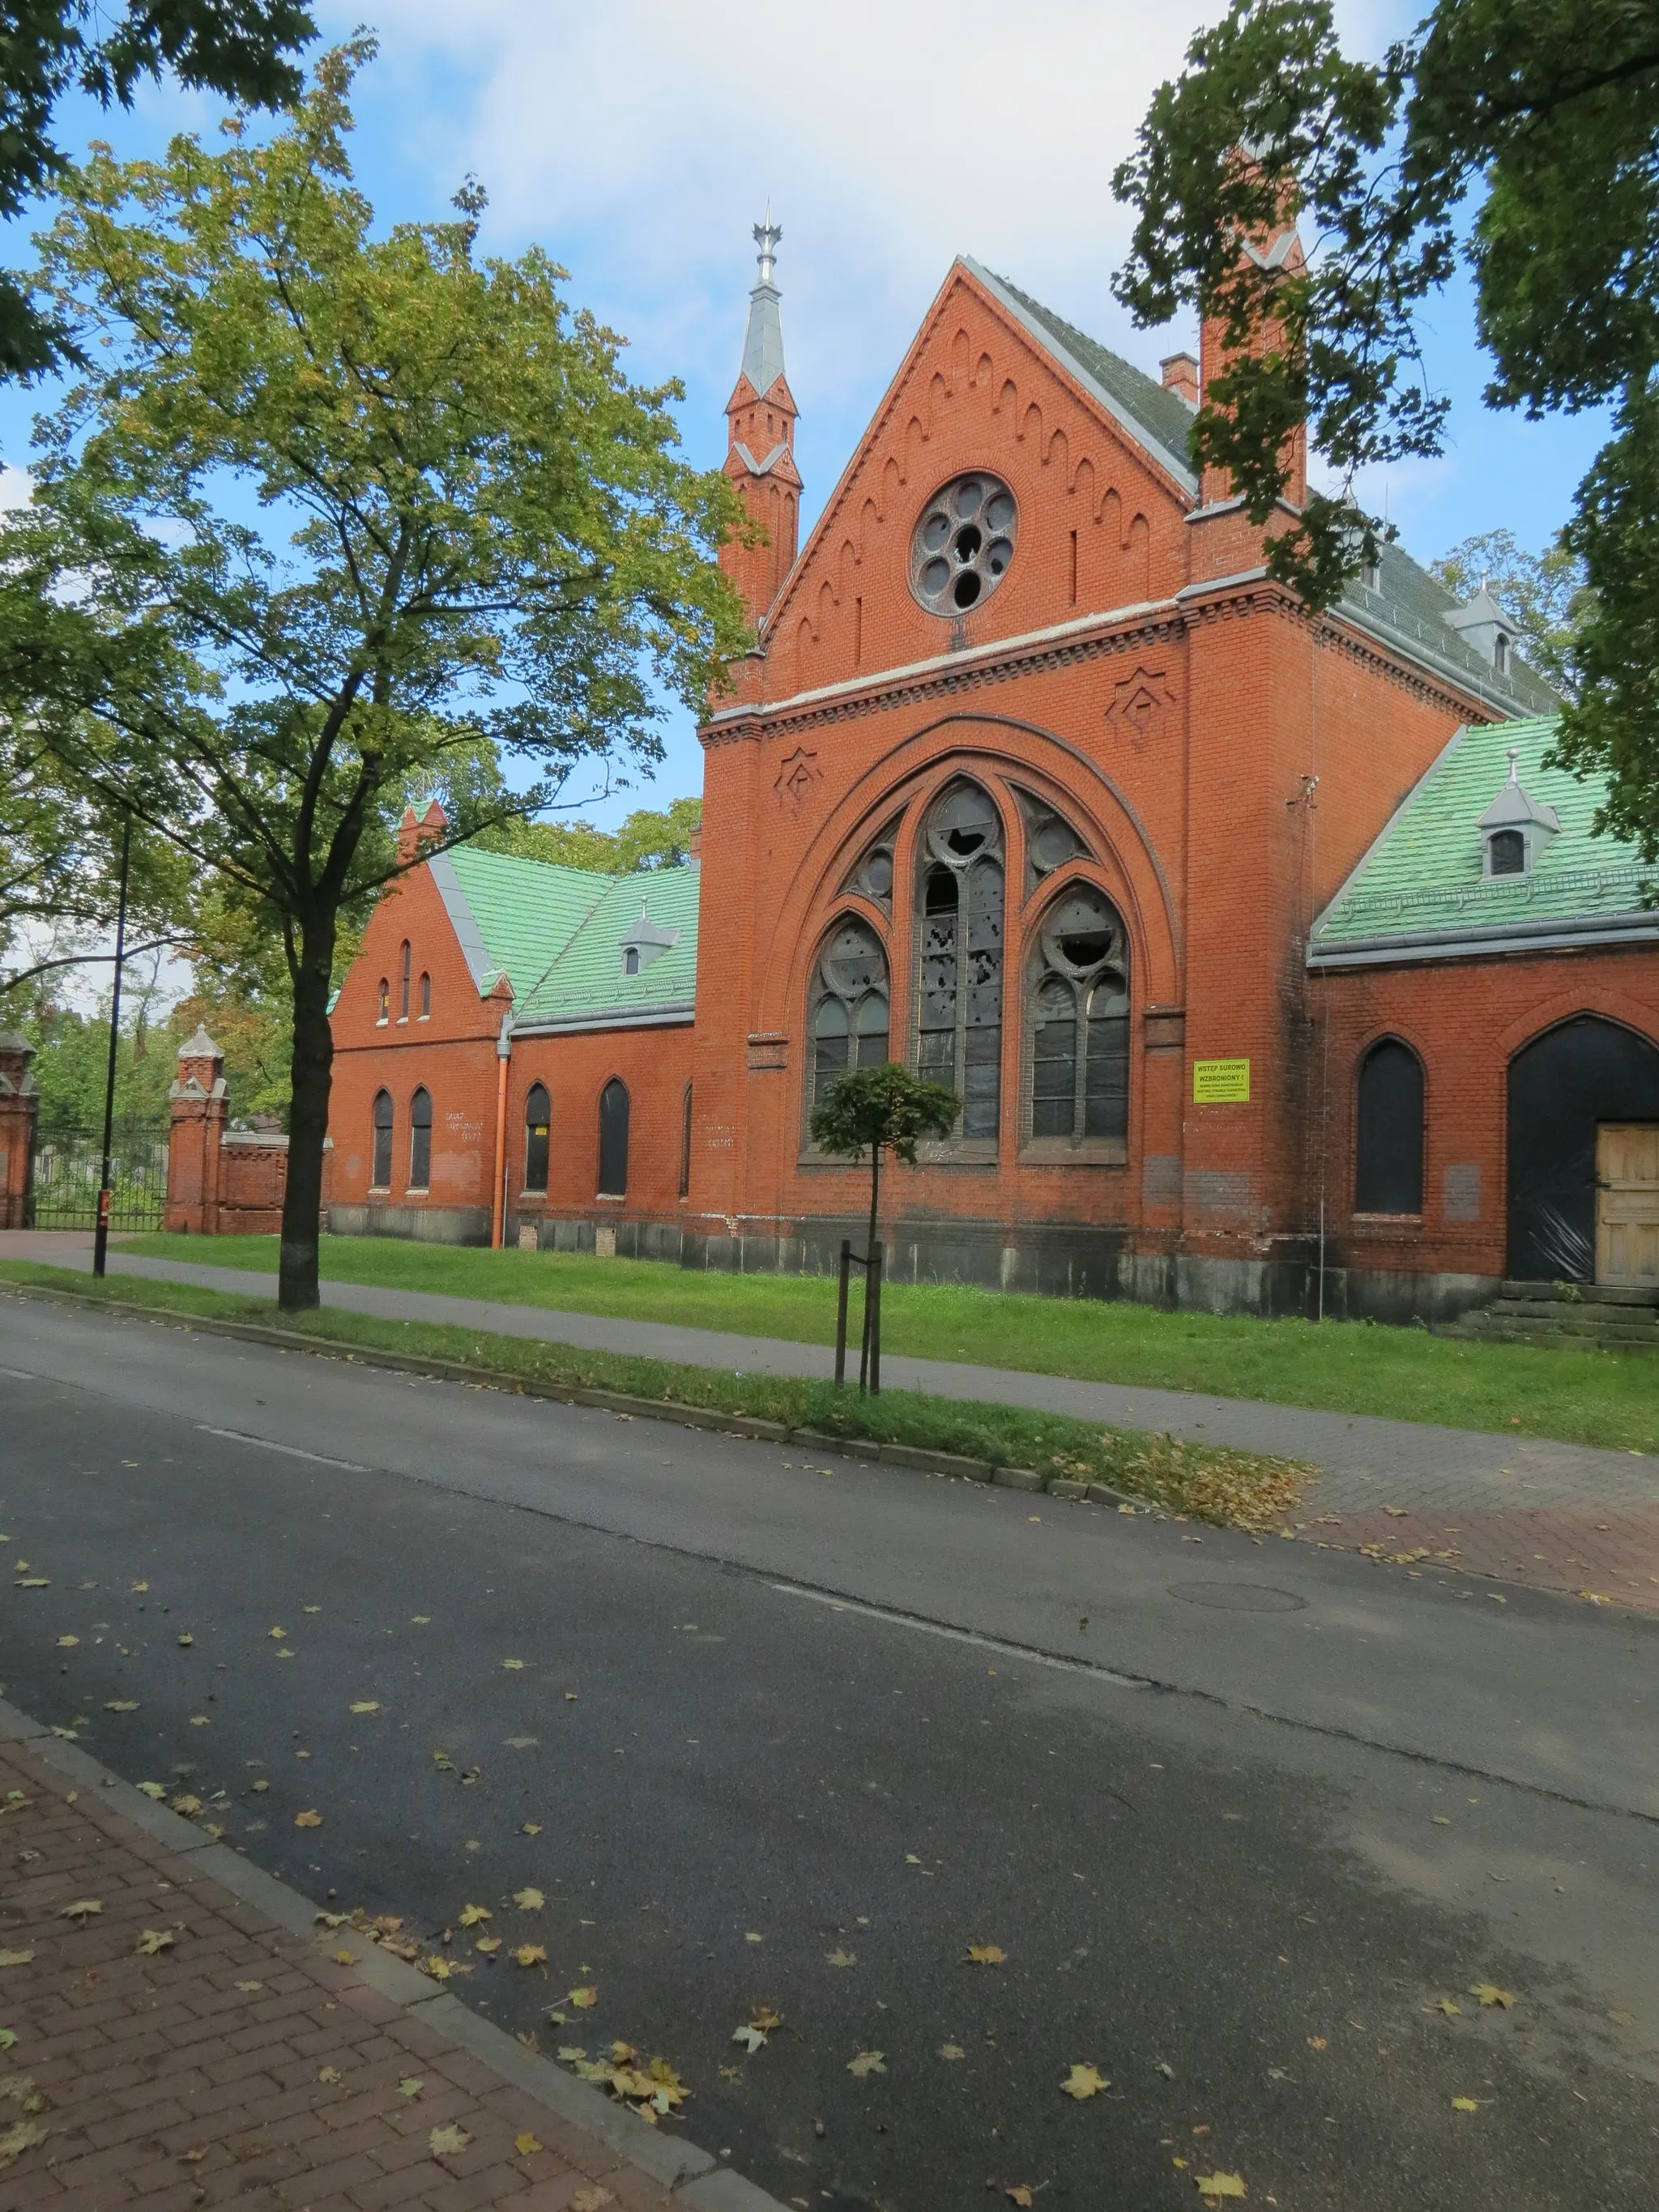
<point x="20" y="1103"/>
<point x="197" y="1126"/>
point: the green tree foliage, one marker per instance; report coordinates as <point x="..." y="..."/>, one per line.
<point x="1542" y="593"/>
<point x="1521" y="135"/>
<point x="647" y="838"/>
<point x="60" y="850"/>
<point x="328" y="507"/>
<point x="51" y="47"/>
<point x="876" y="1110"/>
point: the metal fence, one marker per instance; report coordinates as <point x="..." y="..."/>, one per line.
<point x="67" y="1165"/>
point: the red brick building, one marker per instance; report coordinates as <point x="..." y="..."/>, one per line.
<point x="1265" y="981"/>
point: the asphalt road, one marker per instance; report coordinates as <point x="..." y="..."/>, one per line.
<point x="1235" y="1837"/>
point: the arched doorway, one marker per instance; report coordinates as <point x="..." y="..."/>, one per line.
<point x="1571" y="1093"/>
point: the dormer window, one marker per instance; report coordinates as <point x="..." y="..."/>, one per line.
<point x="1516" y="829"/>
<point x="1370" y="573"/>
<point x="645" y="941"/>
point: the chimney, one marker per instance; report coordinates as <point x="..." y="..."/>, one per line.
<point x="694" y="848"/>
<point x="1282" y="253"/>
<point x="1181" y="376"/>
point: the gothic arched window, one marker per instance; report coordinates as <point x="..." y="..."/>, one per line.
<point x="613" y="1140"/>
<point x="959" y="946"/>
<point x="848" y="1018"/>
<point x="380" y="1178"/>
<point x="538" y="1123"/>
<point x="403" y="984"/>
<point x="383" y="1003"/>
<point x="420" y="1140"/>
<point x="1078" y="1021"/>
<point x="1388" y="1151"/>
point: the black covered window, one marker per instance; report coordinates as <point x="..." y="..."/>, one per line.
<point x="685" y="1143"/>
<point x="613" y="1140"/>
<point x="1079" y="1021"/>
<point x="402" y="985"/>
<point x="850" y="1018"/>
<point x="1506" y="852"/>
<point x="420" y="1140"/>
<point x="381" y="1177"/>
<point x="426" y="996"/>
<point x="1389" y="1172"/>
<point x="959" y="933"/>
<point x="538" y="1122"/>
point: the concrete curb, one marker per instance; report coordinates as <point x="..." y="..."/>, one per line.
<point x="915" y="1456"/>
<point x="693" y="2173"/>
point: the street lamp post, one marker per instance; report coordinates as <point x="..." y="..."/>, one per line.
<point x="100" y="1235"/>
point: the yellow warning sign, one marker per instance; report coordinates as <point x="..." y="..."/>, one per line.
<point x="1221" y="1082"/>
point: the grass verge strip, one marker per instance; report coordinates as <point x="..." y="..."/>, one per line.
<point x="1210" y="1482"/>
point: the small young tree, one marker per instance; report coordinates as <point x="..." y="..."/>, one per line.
<point x="330" y="511"/>
<point x="876" y="1110"/>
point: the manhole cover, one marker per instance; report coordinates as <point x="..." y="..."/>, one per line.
<point x="1238" y="1597"/>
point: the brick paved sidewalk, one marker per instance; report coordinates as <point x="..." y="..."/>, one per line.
<point x="243" y="2061"/>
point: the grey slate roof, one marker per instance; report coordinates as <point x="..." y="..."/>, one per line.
<point x="1408" y="607"/>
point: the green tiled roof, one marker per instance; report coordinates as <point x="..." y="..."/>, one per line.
<point x="557" y="934"/>
<point x="1419" y="893"/>
<point x="587" y="983"/>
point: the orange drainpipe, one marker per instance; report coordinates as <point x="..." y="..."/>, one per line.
<point x="503" y="1055"/>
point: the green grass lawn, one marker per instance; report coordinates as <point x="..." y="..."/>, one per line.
<point x="1591" y="1396"/>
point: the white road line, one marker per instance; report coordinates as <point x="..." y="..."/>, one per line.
<point x="293" y="1451"/>
<point x="963" y="1635"/>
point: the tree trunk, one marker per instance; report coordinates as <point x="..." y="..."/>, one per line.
<point x="312" y="1072"/>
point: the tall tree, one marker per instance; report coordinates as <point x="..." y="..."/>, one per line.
<point x="242" y="48"/>
<point x="328" y="508"/>
<point x="649" y="837"/>
<point x="1520" y="135"/>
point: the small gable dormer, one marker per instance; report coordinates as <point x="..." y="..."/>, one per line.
<point x="645" y="941"/>
<point x="1486" y="629"/>
<point x="1514" y="831"/>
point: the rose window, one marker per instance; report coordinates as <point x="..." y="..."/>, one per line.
<point x="963" y="544"/>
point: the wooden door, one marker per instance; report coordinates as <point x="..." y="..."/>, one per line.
<point x="1627" y="1205"/>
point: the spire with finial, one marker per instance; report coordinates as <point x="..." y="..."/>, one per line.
<point x="760" y="456"/>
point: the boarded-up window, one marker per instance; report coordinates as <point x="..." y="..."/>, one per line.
<point x="1388" y="1153"/>
<point x="420" y="1140"/>
<point x="613" y="1140"/>
<point x="685" y="1145"/>
<point x="381" y="1178"/>
<point x="538" y="1123"/>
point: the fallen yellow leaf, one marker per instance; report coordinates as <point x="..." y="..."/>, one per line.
<point x="277" y="1635"/>
<point x="591" y="2200"/>
<point x="1464" y="2105"/>
<point x="153" y="1789"/>
<point x="473" y="1915"/>
<point x="121" y="1705"/>
<point x="985" y="1954"/>
<point x="584" y="1999"/>
<point x="1215" y="2186"/>
<point x="186" y="1639"/>
<point x="841" y="1958"/>
<point x="307" y="1820"/>
<point x="529" y="1955"/>
<point x="951" y="2051"/>
<point x="1083" y="2082"/>
<point x="531" y="1828"/>
<point x="1490" y="1994"/>
<point x="65" y="1642"/>
<point x="152" y="1940"/>
<point x="1318" y="2042"/>
<point x="187" y="1804"/>
<point x="1450" y="2007"/>
<point x="526" y="2145"/>
<point x="447" y="2143"/>
<point x="331" y="2074"/>
<point x="411" y="2086"/>
<point x="1020" y="2193"/>
<point x="83" y="1909"/>
<point x="868" y="2062"/>
<point x="514" y="1666"/>
<point x="345" y="1957"/>
<point x="367" y="1705"/>
<point x="528" y="1900"/>
<point x="15" y="1958"/>
<point x="247" y="1988"/>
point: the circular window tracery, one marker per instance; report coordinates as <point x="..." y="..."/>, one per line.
<point x="963" y="544"/>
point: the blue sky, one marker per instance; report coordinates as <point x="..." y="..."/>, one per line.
<point x="638" y="142"/>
